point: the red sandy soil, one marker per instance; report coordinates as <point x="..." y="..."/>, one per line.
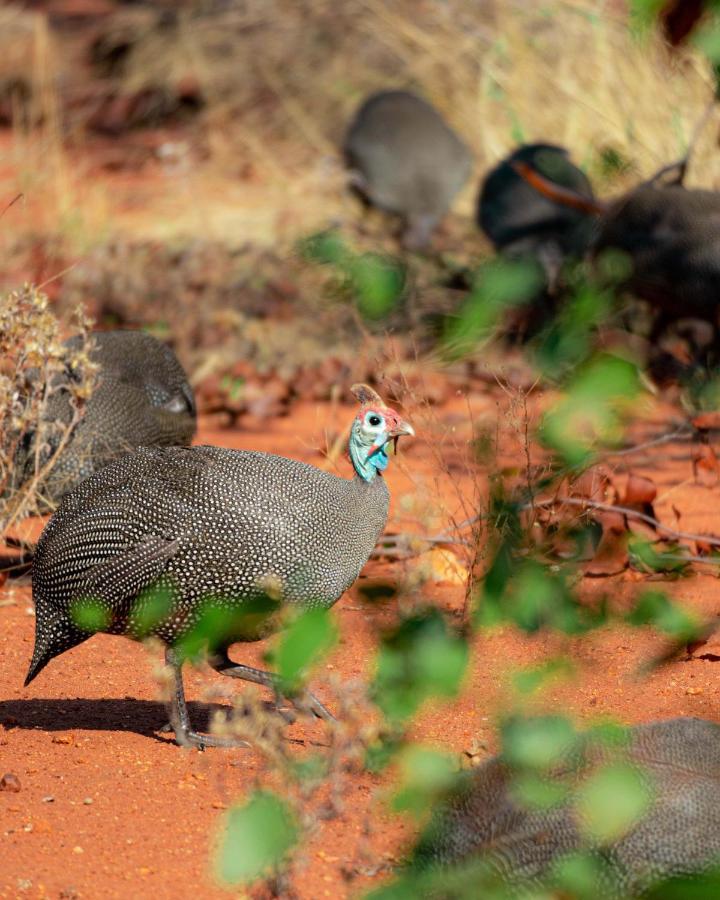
<point x="133" y="815"/>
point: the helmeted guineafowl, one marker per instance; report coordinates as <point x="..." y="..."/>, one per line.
<point x="671" y="235"/>
<point x="406" y="160"/>
<point x="523" y="222"/>
<point x="209" y="532"/>
<point x="678" y="833"/>
<point x="141" y="398"/>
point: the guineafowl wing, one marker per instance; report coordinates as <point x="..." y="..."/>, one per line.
<point x="125" y="576"/>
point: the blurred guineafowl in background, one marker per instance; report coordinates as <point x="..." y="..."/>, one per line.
<point x="669" y="234"/>
<point x="679" y="833"/>
<point x="141" y="398"/>
<point x="205" y="531"/>
<point x="406" y="160"/>
<point x="522" y="222"/>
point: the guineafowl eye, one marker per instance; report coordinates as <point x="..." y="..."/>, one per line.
<point x="374" y="420"/>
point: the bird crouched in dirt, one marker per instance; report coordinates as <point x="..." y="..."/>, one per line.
<point x="676" y="830"/>
<point x="141" y="397"/>
<point x="205" y="543"/>
<point x="406" y="160"/>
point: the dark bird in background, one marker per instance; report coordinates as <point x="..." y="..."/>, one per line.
<point x="669" y="235"/>
<point x="405" y="159"/>
<point x="165" y="540"/>
<point x="524" y="222"/>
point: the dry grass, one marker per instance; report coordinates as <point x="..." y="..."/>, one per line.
<point x="280" y="82"/>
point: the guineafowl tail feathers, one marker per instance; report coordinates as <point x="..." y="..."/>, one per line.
<point x="54" y="634"/>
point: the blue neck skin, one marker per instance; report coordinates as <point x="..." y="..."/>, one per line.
<point x="366" y="468"/>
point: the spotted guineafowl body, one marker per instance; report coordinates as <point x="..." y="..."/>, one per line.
<point x="208" y="528"/>
<point x="406" y="160"/>
<point x="141" y="398"/>
<point x="678" y="834"/>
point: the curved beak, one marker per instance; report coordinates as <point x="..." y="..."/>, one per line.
<point x="403" y="429"/>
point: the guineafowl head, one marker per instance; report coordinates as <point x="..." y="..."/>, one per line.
<point x="372" y="430"/>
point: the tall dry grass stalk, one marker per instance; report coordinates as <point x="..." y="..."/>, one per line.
<point x="59" y="199"/>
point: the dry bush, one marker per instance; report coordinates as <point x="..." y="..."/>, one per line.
<point x="35" y="367"/>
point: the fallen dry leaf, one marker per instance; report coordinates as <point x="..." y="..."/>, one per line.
<point x="640" y="493"/>
<point x="595" y="484"/>
<point x="611" y="556"/>
<point x="440" y="565"/>
<point x="705" y="465"/>
<point x="706" y="420"/>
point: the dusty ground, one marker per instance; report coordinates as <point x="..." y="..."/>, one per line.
<point x="109" y="807"/>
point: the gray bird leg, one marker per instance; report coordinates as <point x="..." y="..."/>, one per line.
<point x="222" y="663"/>
<point x="180" y="718"/>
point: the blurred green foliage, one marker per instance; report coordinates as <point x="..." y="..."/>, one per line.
<point x="532" y="595"/>
<point x="151" y="607"/>
<point x="500" y="285"/>
<point x="592" y="411"/>
<point x="655" y="608"/>
<point x="668" y="559"/>
<point x="90" y="614"/>
<point x="421" y="658"/>
<point x="219" y="624"/>
<point x="611" y="801"/>
<point x="425" y="777"/>
<point x="374" y="281"/>
<point x="303" y="643"/>
<point x="256" y="838"/>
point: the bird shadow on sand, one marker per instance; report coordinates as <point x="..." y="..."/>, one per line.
<point x="144" y="717"/>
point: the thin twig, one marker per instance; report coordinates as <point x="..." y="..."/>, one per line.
<point x="631" y="514"/>
<point x="11" y="203"/>
<point x="682" y="431"/>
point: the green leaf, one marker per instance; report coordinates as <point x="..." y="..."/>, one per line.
<point x="326" y="247"/>
<point x="220" y="623"/>
<point x="257" y="838"/>
<point x="425" y="775"/>
<point x="580" y="875"/>
<point x="150" y="608"/>
<point x="535" y="792"/>
<point x="532" y="679"/>
<point x="90" y="614"/>
<point x="419" y="659"/>
<point x="377" y="283"/>
<point x="533" y="596"/>
<point x="500" y="285"/>
<point x="612" y="801"/>
<point x="303" y="643"/>
<point x="656" y="609"/>
<point x="646" y="558"/>
<point x="538" y="742"/>
<point x="590" y="414"/>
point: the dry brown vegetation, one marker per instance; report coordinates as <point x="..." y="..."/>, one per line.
<point x="35" y="366"/>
